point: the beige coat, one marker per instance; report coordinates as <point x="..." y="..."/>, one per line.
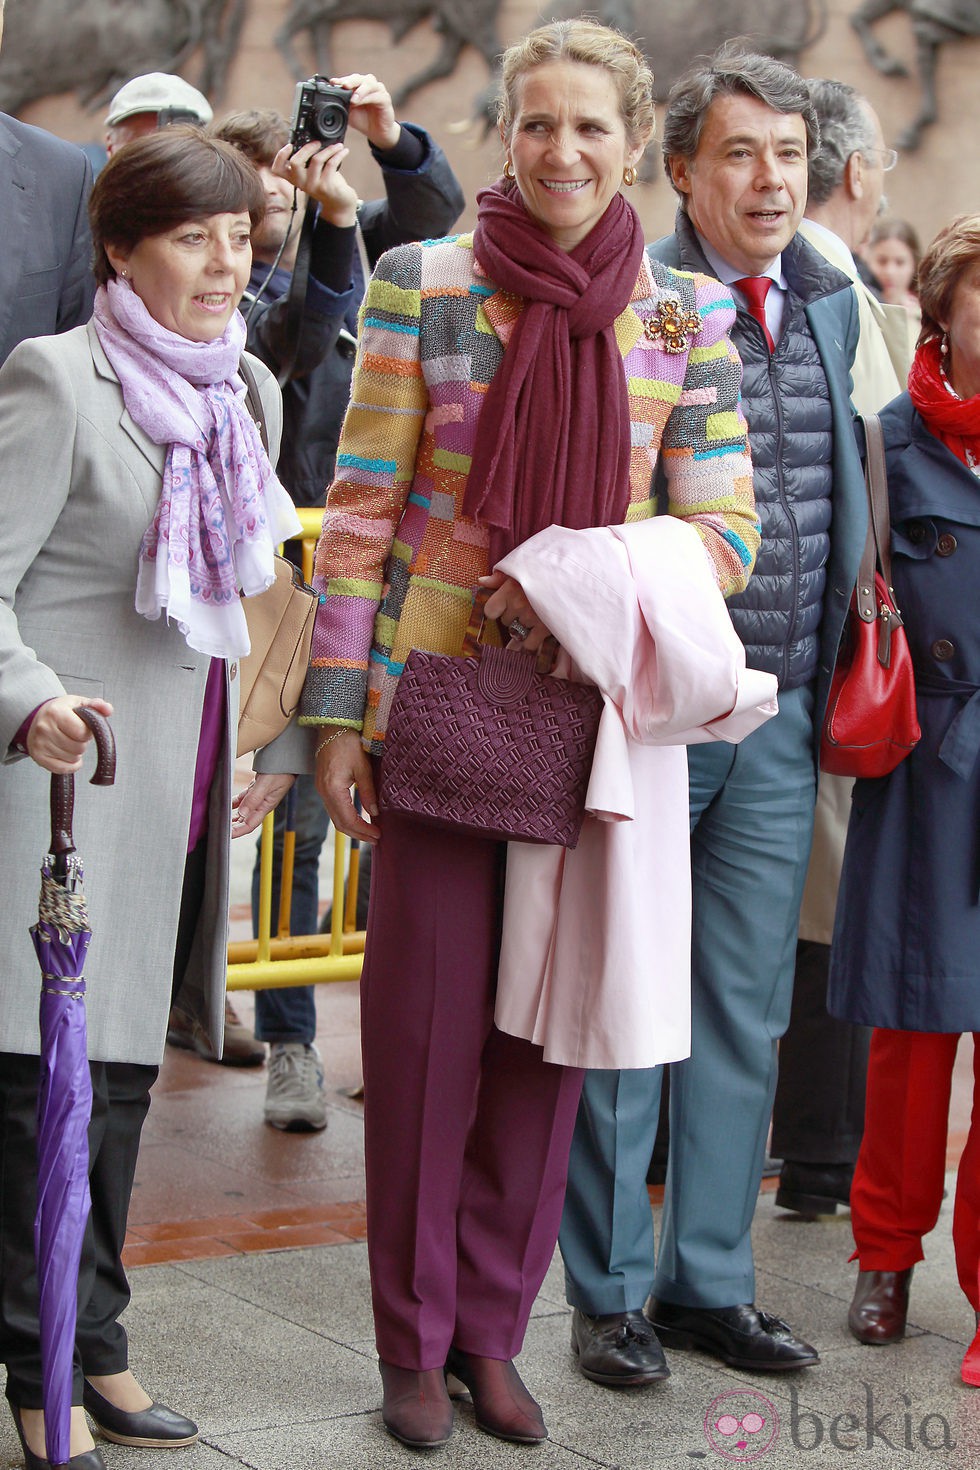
<point x="79" y="486"/>
<point x="881" y="366"/>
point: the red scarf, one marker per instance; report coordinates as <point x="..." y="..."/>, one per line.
<point x="553" y="442"/>
<point x="954" y="421"/>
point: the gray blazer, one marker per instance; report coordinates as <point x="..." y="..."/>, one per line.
<point x="46" y="282"/>
<point x="79" y="486"/>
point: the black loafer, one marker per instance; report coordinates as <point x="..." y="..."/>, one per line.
<point x="156" y="1427"/>
<point x="742" y="1336"/>
<point x="814" y="1189"/>
<point x="619" y="1350"/>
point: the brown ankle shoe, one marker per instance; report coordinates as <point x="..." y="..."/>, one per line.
<point x="502" y="1404"/>
<point x="880" y="1306"/>
<point x="417" y="1409"/>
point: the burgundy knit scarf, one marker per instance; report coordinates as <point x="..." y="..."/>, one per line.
<point x="956" y="421"/>
<point x="553" y="441"/>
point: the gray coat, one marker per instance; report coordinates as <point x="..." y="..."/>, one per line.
<point x="79" y="486"/>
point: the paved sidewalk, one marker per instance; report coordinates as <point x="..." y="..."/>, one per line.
<point x="273" y="1354"/>
<point x="255" y="1317"/>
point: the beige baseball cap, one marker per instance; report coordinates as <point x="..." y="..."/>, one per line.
<point x="159" y="91"/>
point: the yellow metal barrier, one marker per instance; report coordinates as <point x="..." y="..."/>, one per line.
<point x="284" y="959"/>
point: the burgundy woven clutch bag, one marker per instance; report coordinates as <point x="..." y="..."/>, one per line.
<point x="488" y="745"/>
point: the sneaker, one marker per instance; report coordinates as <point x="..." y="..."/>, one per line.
<point x="241" y="1048"/>
<point x="294" y="1096"/>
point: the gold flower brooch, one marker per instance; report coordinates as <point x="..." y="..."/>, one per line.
<point x="671" y="327"/>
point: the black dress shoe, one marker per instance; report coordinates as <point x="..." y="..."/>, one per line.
<point x="742" y="1336"/>
<point x="88" y="1460"/>
<point x="618" y="1349"/>
<point x="417" y="1410"/>
<point x="880" y="1307"/>
<point x="157" y="1427"/>
<point x="502" y="1404"/>
<point x="814" y="1189"/>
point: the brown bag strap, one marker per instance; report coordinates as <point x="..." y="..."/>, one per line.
<point x="877" y="547"/>
<point x="253" y="399"/>
<point x="474" y="628"/>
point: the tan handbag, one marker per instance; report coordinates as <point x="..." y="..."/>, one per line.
<point x="280" y="630"/>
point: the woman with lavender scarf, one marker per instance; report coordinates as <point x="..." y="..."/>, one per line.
<point x="137" y="502"/>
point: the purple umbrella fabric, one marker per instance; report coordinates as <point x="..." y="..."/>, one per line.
<point x="61" y="939"/>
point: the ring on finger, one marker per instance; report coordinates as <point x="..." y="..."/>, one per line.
<point x="517" y="629"/>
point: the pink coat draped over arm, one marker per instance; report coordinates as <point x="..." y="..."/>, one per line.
<point x="595" y="962"/>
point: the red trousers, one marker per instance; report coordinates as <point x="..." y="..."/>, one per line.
<point x="466" y="1130"/>
<point x="898" y="1181"/>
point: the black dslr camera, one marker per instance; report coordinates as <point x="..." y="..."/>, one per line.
<point x="320" y="112"/>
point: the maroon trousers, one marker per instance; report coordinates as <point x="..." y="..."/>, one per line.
<point x="898" y="1181"/>
<point x="467" y="1130"/>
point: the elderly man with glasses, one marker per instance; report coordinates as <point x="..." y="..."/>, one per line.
<point x="818" y="1118"/>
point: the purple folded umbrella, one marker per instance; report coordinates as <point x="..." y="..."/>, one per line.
<point x="64" y="1108"/>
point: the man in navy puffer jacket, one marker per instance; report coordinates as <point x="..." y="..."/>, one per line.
<point x="736" y="138"/>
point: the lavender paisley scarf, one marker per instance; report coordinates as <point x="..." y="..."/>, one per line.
<point x="222" y="511"/>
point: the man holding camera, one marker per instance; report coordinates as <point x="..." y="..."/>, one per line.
<point x="311" y="350"/>
<point x="422" y="199"/>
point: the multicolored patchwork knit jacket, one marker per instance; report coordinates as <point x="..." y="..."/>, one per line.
<point x="397" y="561"/>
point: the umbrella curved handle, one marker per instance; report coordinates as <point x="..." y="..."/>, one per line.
<point x="105" y="745"/>
<point x="63" y="787"/>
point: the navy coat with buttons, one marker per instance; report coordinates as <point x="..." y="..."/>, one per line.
<point x="906" y="951"/>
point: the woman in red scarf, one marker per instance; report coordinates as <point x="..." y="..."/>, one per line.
<point x="906" y="955"/>
<point x="530" y="374"/>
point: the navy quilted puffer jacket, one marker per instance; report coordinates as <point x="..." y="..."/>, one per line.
<point x="788" y="410"/>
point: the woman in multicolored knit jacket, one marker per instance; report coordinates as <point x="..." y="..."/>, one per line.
<point x="532" y="373"/>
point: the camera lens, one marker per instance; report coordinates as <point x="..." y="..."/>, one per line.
<point x="329" y="122"/>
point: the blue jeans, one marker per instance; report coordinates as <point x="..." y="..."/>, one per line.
<point x="290" y="1014"/>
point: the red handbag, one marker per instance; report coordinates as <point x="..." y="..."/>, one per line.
<point x="871" y="723"/>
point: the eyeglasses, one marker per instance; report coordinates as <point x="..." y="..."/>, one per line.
<point x="888" y="157"/>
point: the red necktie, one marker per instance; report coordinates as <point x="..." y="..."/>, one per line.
<point x="755" y="290"/>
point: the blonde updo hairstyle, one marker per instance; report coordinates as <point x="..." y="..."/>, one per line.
<point x="954" y="250"/>
<point x="593" y="44"/>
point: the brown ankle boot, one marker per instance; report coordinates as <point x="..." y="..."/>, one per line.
<point x="880" y="1306"/>
<point x="502" y="1404"/>
<point x="417" y="1409"/>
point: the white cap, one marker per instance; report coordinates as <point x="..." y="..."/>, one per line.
<point x="154" y="92"/>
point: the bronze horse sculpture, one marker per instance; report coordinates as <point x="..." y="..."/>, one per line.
<point x="671" y="32"/>
<point x="93" y="46"/>
<point x="934" y="23"/>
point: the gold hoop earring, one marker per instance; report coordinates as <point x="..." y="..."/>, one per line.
<point x="629" y="176"/>
<point x="508" y="170"/>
